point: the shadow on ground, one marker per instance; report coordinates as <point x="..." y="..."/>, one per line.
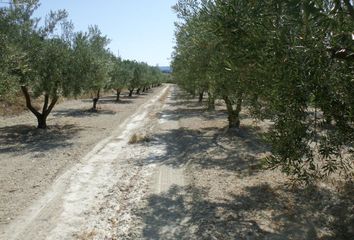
<point x="259" y="213"/>
<point x="210" y="148"/>
<point x="22" y="139"/>
<point x="113" y="101"/>
<point x="81" y="113"/>
<point x="185" y="113"/>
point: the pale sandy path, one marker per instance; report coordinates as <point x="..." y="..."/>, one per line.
<point x="167" y="175"/>
<point x="31" y="160"/>
<point x="152" y="172"/>
<point x="161" y="216"/>
<point x="63" y="209"/>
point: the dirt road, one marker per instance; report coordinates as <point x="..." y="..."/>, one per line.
<point x="70" y="204"/>
<point x="184" y="177"/>
<point x="32" y="159"/>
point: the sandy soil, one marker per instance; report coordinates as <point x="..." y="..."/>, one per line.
<point x="209" y="183"/>
<point x="189" y="178"/>
<point x="31" y="159"/>
<point x="228" y="194"/>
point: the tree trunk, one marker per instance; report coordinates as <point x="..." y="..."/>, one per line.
<point x="201" y="95"/>
<point x="234" y="120"/>
<point x="47" y="108"/>
<point x="95" y="100"/>
<point x="233" y="115"/>
<point x="138" y="91"/>
<point x="42" y="121"/>
<point x="131" y="92"/>
<point x="144" y="89"/>
<point x="118" y="94"/>
<point x="211" y="102"/>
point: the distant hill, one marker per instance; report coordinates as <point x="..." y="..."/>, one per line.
<point x="165" y="69"/>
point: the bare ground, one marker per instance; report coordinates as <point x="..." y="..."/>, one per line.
<point x="229" y="195"/>
<point x="209" y="183"/>
<point x="190" y="178"/>
<point x="32" y="159"/>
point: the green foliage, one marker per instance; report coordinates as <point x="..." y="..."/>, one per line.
<point x="92" y="60"/>
<point x="8" y="82"/>
<point x="289" y="61"/>
<point x="53" y="61"/>
<point x="53" y="74"/>
<point x="15" y="29"/>
<point x="119" y="74"/>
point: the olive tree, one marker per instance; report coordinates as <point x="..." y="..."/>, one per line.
<point x="212" y="54"/>
<point x="119" y="76"/>
<point x="192" y="56"/>
<point x="288" y="61"/>
<point x="98" y="69"/>
<point x="41" y="63"/>
<point x="310" y="75"/>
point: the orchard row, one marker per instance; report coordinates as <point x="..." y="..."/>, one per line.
<point x="53" y="61"/>
<point x="291" y="62"/>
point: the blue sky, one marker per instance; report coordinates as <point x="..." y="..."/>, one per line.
<point x="139" y="29"/>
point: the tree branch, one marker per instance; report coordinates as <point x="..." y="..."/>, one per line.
<point x="52" y="104"/>
<point x="239" y="104"/>
<point x="350" y="8"/>
<point x="28" y="101"/>
<point x="45" y="105"/>
<point x="98" y="94"/>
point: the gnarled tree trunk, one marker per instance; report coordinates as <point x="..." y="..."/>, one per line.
<point x="211" y="101"/>
<point x="233" y="114"/>
<point x="95" y="100"/>
<point x="138" y="91"/>
<point x="131" y="92"/>
<point x="47" y="107"/>
<point x="118" y="94"/>
<point x="201" y="95"/>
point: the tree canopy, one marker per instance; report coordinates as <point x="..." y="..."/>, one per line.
<point x="291" y="62"/>
<point x="52" y="60"/>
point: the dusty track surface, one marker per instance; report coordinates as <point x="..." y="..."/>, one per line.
<point x="31" y="159"/>
<point x="56" y="214"/>
<point x="188" y="178"/>
<point x="205" y="182"/>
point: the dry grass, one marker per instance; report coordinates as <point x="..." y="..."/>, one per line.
<point x="16" y="105"/>
<point x="86" y="235"/>
<point x="163" y="97"/>
<point x="139" y="138"/>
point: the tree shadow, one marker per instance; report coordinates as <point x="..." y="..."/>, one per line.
<point x="188" y="112"/>
<point x="192" y="103"/>
<point x="260" y="211"/>
<point x="187" y="212"/>
<point x="111" y="99"/>
<point x="20" y="139"/>
<point x="82" y="113"/>
<point x="209" y="148"/>
<point x="131" y="97"/>
<point x="184" y="108"/>
<point x="342" y="211"/>
<point x="114" y="101"/>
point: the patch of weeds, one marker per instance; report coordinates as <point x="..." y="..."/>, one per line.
<point x="139" y="138"/>
<point x="86" y="235"/>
